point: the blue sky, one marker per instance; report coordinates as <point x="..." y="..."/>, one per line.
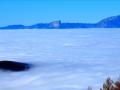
<point x="34" y="11"/>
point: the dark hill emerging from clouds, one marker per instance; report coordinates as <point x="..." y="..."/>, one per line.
<point x="110" y="22"/>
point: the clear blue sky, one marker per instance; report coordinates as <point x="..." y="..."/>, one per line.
<point x="33" y="11"/>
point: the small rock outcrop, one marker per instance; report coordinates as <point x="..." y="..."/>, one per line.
<point x="13" y="66"/>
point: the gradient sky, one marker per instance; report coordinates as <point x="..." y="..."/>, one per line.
<point x="29" y="12"/>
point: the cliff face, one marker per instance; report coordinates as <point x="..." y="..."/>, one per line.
<point x="55" y="24"/>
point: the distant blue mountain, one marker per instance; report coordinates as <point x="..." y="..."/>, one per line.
<point x="14" y="27"/>
<point x="110" y="22"/>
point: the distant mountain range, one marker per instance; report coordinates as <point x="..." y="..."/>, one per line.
<point x="110" y="22"/>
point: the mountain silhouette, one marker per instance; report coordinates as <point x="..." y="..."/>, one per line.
<point x="110" y="22"/>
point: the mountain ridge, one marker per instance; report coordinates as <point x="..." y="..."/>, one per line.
<point x="109" y="22"/>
